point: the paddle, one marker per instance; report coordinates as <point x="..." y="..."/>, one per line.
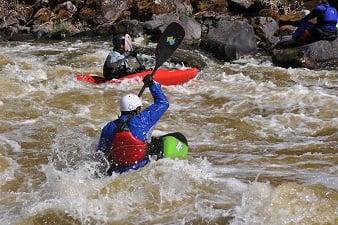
<point x="169" y="41"/>
<point x="129" y="47"/>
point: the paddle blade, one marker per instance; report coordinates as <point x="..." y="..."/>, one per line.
<point x="128" y="43"/>
<point x="169" y="41"/>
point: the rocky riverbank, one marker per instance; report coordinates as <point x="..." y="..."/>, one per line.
<point x="228" y="29"/>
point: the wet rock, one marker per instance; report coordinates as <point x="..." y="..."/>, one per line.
<point x="112" y="10"/>
<point x="230" y="38"/>
<point x="40" y="31"/>
<point x="132" y="27"/>
<point x="41" y="3"/>
<point x="243" y="3"/>
<point x="63" y="15"/>
<point x="26" y="11"/>
<point x="87" y="14"/>
<point x="43" y="15"/>
<point x="157" y="25"/>
<point x="291" y="19"/>
<point x="144" y="10"/>
<point x="286" y="30"/>
<point x="67" y="6"/>
<point x="180" y="56"/>
<point x="209" y="5"/>
<point x="3" y="36"/>
<point x="318" y="55"/>
<point x="269" y="13"/>
<point x="193" y="30"/>
<point x="265" y="28"/>
<point x="10" y="20"/>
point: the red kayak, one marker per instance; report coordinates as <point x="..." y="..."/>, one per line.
<point x="162" y="76"/>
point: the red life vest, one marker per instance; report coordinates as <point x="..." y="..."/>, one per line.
<point x="126" y="149"/>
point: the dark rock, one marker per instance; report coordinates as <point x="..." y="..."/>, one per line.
<point x="10" y="20"/>
<point x="230" y="38"/>
<point x="265" y="28"/>
<point x="286" y="30"/>
<point x="3" y="36"/>
<point x="67" y="6"/>
<point x="132" y="27"/>
<point x="243" y="3"/>
<point x="193" y="30"/>
<point x="40" y="31"/>
<point x="269" y="13"/>
<point x="26" y="12"/>
<point x="291" y="19"/>
<point x="320" y="54"/>
<point x="156" y="26"/>
<point x="112" y="10"/>
<point x="43" y="15"/>
<point x="209" y="5"/>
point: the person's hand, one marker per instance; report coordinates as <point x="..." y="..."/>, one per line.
<point x="148" y="80"/>
<point x="133" y="54"/>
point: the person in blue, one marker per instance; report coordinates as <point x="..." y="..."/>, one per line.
<point x="308" y="32"/>
<point x="124" y="141"/>
<point x="116" y="63"/>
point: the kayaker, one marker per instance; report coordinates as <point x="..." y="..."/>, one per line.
<point x="308" y="32"/>
<point x="116" y="63"/>
<point x="124" y="140"/>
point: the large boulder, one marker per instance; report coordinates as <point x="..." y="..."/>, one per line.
<point x="113" y="9"/>
<point x="209" y="5"/>
<point x="158" y="23"/>
<point x="265" y="29"/>
<point x="230" y="38"/>
<point x="318" y="55"/>
<point x="143" y="10"/>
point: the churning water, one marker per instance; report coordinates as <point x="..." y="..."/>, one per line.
<point x="263" y="143"/>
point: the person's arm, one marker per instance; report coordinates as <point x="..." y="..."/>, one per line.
<point x="154" y="112"/>
<point x="106" y="137"/>
<point x="314" y="13"/>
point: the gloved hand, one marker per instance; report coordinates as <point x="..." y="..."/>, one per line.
<point x="133" y="54"/>
<point x="148" y="80"/>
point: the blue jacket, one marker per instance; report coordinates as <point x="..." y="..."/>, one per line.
<point x="327" y="16"/>
<point x="139" y="125"/>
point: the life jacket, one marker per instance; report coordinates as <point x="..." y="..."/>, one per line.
<point x="126" y="149"/>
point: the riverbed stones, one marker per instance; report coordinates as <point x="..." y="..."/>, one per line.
<point x="320" y="54"/>
<point x="230" y="38"/>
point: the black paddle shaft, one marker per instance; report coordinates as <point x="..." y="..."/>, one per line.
<point x="169" y="41"/>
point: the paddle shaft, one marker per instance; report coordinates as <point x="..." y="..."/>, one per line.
<point x="144" y="87"/>
<point x="169" y="41"/>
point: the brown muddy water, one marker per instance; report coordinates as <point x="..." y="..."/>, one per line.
<point x="263" y="143"/>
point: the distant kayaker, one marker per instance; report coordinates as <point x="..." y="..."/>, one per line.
<point x="308" y="32"/>
<point x="116" y="63"/>
<point x="124" y="140"/>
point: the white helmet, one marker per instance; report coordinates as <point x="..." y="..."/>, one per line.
<point x="130" y="102"/>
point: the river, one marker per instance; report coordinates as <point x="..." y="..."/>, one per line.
<point x="263" y="143"/>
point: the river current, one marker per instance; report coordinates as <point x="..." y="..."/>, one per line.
<point x="263" y="143"/>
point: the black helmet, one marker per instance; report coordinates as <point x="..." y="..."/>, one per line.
<point x="118" y="40"/>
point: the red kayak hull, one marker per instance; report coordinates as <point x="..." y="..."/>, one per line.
<point x="162" y="76"/>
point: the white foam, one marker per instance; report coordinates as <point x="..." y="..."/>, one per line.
<point x="15" y="146"/>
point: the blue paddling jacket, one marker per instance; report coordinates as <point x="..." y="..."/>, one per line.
<point x="327" y="16"/>
<point x="139" y="125"/>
